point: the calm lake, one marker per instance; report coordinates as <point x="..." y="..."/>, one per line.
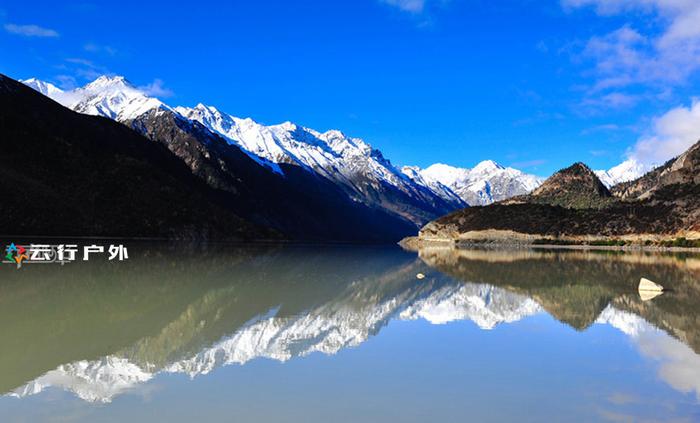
<point x="184" y="333"/>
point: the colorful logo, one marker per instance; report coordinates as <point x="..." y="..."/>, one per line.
<point x="16" y="254"/>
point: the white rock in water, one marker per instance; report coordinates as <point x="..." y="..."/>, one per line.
<point x="420" y="276"/>
<point x="647" y="285"/>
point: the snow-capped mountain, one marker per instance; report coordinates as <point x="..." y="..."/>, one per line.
<point x="352" y="164"/>
<point x="413" y="173"/>
<point x="115" y="98"/>
<point x="628" y="170"/>
<point x="349" y="162"/>
<point x="112" y="97"/>
<point x="484" y="184"/>
<point x="46" y="88"/>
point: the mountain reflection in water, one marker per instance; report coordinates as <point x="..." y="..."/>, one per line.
<point x="101" y="329"/>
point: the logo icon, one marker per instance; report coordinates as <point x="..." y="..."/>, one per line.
<point x="16" y="254"/>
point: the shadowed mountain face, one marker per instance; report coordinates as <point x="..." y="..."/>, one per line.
<point x="64" y="173"/>
<point x="299" y="204"/>
<point x="191" y="308"/>
<point x="328" y="185"/>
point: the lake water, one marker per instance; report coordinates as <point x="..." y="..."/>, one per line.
<point x="183" y="333"/>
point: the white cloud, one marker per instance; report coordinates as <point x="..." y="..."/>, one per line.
<point x="157" y="89"/>
<point x="679" y="365"/>
<point x="411" y="6"/>
<point x="667" y="52"/>
<point x="671" y="134"/>
<point x="30" y="30"/>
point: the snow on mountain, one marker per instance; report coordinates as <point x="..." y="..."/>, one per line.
<point x="486" y="183"/>
<point x="115" y="98"/>
<point x="413" y="173"/>
<point x="109" y="96"/>
<point x="46" y="88"/>
<point x="362" y="171"/>
<point x="628" y="170"/>
<point x="350" y="162"/>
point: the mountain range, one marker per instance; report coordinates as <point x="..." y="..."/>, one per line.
<point x="484" y="184"/>
<point x="286" y="179"/>
<point x="573" y="206"/>
<point x="205" y="138"/>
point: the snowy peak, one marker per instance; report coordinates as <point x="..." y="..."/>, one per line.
<point x="114" y="97"/>
<point x="446" y="174"/>
<point x="250" y="136"/>
<point x="110" y="96"/>
<point x="486" y="183"/>
<point x="626" y="171"/>
<point x="105" y="82"/>
<point x="414" y="173"/>
<point x="487" y="166"/>
<point x="46" y="88"/>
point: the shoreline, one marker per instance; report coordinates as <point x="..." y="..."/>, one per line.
<point x="415" y="243"/>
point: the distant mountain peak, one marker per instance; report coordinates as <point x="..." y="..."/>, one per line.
<point x="202" y="106"/>
<point x="487" y="166"/>
<point x="486" y="183"/>
<point x="628" y="170"/>
<point x="114" y="97"/>
<point x="108" y="79"/>
<point x="110" y="82"/>
<point x="46" y="88"/>
<point x="110" y="96"/>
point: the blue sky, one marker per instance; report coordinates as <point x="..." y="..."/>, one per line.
<point x="532" y="84"/>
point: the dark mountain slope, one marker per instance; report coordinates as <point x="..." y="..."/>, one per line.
<point x="67" y="174"/>
<point x="299" y="203"/>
